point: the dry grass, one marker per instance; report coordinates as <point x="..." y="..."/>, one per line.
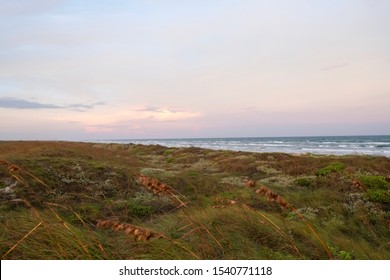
<point x="160" y="188"/>
<point x="139" y="233"/>
<point x="273" y="196"/>
<point x="249" y="183"/>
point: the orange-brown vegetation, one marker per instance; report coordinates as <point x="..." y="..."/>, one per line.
<point x="272" y="196"/>
<point x="159" y="188"/>
<point x="250" y="183"/>
<point x="139" y="233"/>
<point x="155" y="186"/>
<point x="357" y="184"/>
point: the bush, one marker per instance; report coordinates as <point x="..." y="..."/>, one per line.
<point x="378" y="195"/>
<point x="378" y="188"/>
<point x="140" y="211"/>
<point x="303" y="182"/>
<point x="331" y="168"/>
<point x="374" y="182"/>
<point x="341" y="255"/>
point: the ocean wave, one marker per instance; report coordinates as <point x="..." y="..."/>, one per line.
<point x="367" y="145"/>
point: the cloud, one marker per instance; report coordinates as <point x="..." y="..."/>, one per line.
<point x="83" y="107"/>
<point x="27" y="7"/>
<point x="336" y="66"/>
<point x="156" y="113"/>
<point x="17" y="103"/>
<point x="149" y="109"/>
<point x="112" y="128"/>
<point x="249" y="109"/>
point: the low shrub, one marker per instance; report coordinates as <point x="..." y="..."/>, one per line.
<point x="374" y="182"/>
<point x="303" y="182"/>
<point x="378" y="195"/>
<point x="331" y="168"/>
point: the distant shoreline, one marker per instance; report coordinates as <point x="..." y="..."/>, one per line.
<point x="200" y="143"/>
<point x="378" y="145"/>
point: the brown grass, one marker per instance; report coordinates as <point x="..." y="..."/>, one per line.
<point x="140" y="234"/>
<point x="160" y="188"/>
<point x="249" y="183"/>
<point x="357" y="184"/>
<point x="273" y="197"/>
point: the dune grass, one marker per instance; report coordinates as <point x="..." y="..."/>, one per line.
<point x="63" y="200"/>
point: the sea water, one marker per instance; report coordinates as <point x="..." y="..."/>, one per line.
<point x="331" y="145"/>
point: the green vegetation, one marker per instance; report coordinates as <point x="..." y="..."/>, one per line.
<point x="381" y="196"/>
<point x="303" y="182"/>
<point x="378" y="188"/>
<point x="374" y="182"/>
<point x="62" y="200"/>
<point x="331" y="168"/>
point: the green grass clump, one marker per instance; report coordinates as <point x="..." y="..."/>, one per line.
<point x="303" y="182"/>
<point x="378" y="188"/>
<point x="331" y="168"/>
<point x="381" y="196"/>
<point x="140" y="211"/>
<point x="374" y="182"/>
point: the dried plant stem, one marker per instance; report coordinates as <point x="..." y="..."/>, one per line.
<point x="20" y="180"/>
<point x="21" y="240"/>
<point x="34" y="212"/>
<point x="274" y="197"/>
<point x="83" y="246"/>
<point x="13" y="167"/>
<point x="200" y="233"/>
<point x="182" y="247"/>
<point x="83" y="222"/>
<point x="28" y="204"/>
<point x="313" y="231"/>
<point x="212" y="236"/>
<point x="278" y="229"/>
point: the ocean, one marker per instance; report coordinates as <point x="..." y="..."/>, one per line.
<point x="325" y="145"/>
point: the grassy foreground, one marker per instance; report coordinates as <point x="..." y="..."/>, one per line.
<point x="63" y="200"/>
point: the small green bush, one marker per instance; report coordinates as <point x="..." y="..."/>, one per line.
<point x="331" y="168"/>
<point x="341" y="255"/>
<point x="168" y="152"/>
<point x="303" y="182"/>
<point x="374" y="182"/>
<point x="378" y="195"/>
<point x="169" y="160"/>
<point x="140" y="211"/>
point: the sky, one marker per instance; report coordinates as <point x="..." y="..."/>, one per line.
<point x="94" y="70"/>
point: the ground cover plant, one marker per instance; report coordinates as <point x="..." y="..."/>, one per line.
<point x="64" y="200"/>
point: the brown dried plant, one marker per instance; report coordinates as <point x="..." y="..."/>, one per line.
<point x="140" y="234"/>
<point x="249" y="183"/>
<point x="155" y="186"/>
<point x="357" y="184"/>
<point x="273" y="197"/>
<point x="159" y="188"/>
